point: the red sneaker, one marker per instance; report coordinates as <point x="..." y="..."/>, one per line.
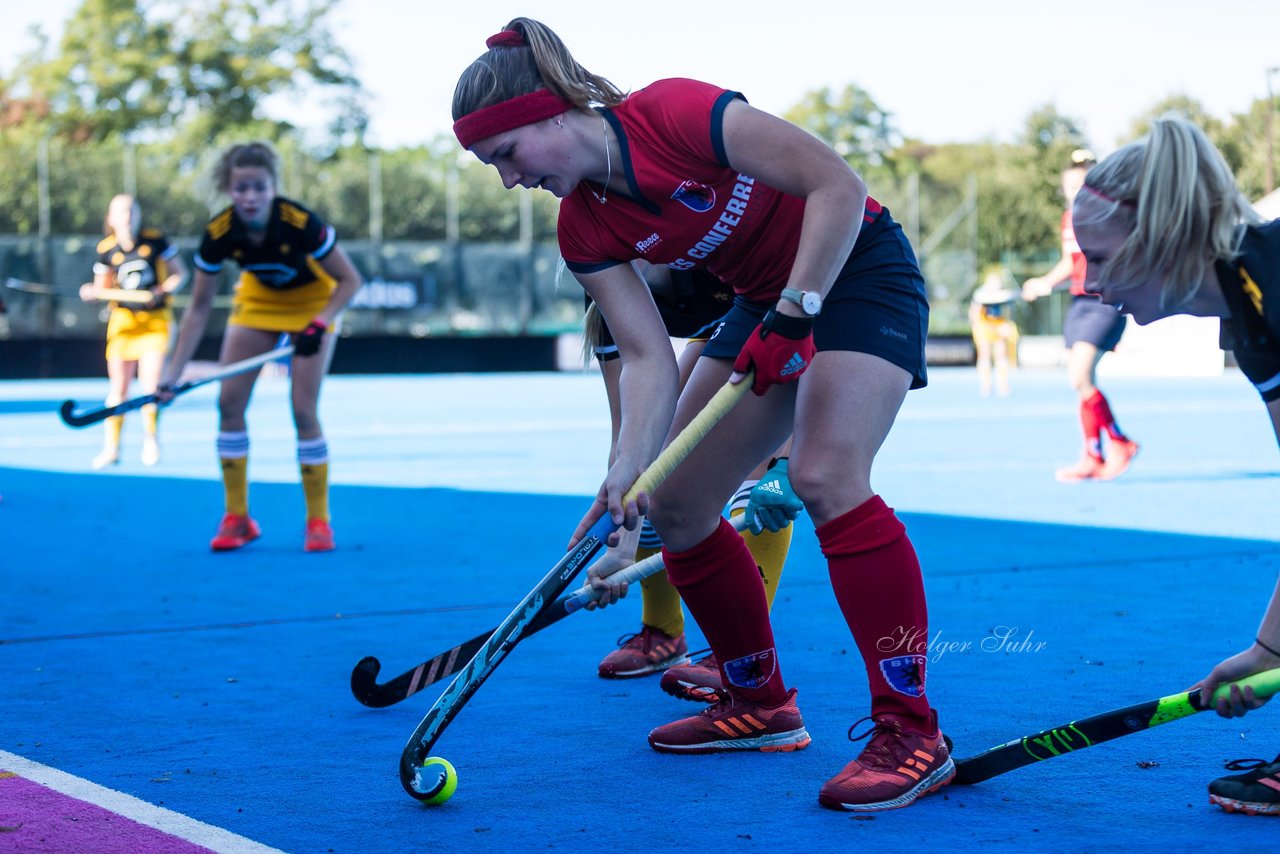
<point x="897" y="766"/>
<point x="695" y="680"/>
<point x="319" y="537"/>
<point x="735" y="723"/>
<point x="1120" y="454"/>
<point x="648" y="651"/>
<point x="1088" y="468"/>
<point x="234" y="531"/>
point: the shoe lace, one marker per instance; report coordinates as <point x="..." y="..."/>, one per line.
<point x="642" y="639"/>
<point x="883" y="750"/>
<point x="1249" y="764"/>
<point x="720" y="707"/>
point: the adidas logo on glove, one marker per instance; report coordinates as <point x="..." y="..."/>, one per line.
<point x="774" y="486"/>
<point x="794" y="365"/>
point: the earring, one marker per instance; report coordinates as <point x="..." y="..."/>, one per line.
<point x="559" y="121"/>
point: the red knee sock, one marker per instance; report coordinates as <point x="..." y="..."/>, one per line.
<point x="1091" y="420"/>
<point x="1102" y="412"/>
<point x="876" y="578"/>
<point x="720" y="584"/>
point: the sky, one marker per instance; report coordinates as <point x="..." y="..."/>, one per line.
<point x="946" y="71"/>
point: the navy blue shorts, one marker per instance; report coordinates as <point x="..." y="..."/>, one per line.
<point x="1094" y="322"/>
<point x="878" y="305"/>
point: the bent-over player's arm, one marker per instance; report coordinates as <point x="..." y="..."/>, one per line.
<point x="194" y="322"/>
<point x="338" y="264"/>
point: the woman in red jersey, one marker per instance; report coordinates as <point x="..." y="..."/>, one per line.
<point x="829" y="313"/>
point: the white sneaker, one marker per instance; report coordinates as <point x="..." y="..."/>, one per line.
<point x="150" y="451"/>
<point x="108" y="457"/>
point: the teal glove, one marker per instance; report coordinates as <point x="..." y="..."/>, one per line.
<point x="773" y="503"/>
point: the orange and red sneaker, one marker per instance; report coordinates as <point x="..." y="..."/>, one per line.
<point x="319" y="536"/>
<point x="1255" y="792"/>
<point x="648" y="651"/>
<point x="735" y="723"/>
<point x="897" y="766"/>
<point x="234" y="531"/>
<point x="695" y="680"/>
<point x="1120" y="454"/>
<point x="1089" y="468"/>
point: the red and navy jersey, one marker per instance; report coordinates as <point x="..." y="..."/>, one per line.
<point x="685" y="206"/>
<point x="143" y="267"/>
<point x="1251" y="285"/>
<point x="1078" y="263"/>
<point x="295" y="239"/>
<point x="690" y="308"/>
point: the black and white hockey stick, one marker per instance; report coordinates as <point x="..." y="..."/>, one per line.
<point x="364" y="677"/>
<point x="92" y="416"/>
<point x="421" y="784"/>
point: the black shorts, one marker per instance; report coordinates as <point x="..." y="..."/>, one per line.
<point x="878" y="305"/>
<point x="1094" y="322"/>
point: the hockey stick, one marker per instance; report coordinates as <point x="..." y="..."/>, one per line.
<point x="364" y="676"/>
<point x="420" y="783"/>
<point x="136" y="297"/>
<point x="38" y="288"/>
<point x="1116" y="723"/>
<point x="106" y="294"/>
<point x="92" y="416"/>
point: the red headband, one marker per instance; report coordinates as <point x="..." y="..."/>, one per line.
<point x="512" y="113"/>
<point x="1106" y="198"/>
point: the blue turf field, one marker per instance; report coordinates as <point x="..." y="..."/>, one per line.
<point x="216" y="685"/>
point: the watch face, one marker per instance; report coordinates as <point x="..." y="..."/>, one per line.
<point x="811" y="302"/>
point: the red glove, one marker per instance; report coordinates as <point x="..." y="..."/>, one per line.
<point x="307" y="342"/>
<point x="780" y="349"/>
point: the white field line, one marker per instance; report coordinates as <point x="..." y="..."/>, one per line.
<point x="134" y="809"/>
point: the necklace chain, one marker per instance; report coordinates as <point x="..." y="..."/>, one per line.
<point x="603" y="196"/>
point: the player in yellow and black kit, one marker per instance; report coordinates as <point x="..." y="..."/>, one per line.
<point x="691" y="303"/>
<point x="142" y="261"/>
<point x="294" y="278"/>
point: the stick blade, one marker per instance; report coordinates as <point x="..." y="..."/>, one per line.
<point x="67" y="411"/>
<point x="364" y="684"/>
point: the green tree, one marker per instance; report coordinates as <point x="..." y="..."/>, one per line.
<point x="852" y="123"/>
<point x="126" y="67"/>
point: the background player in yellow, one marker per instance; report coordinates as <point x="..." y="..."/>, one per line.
<point x="142" y="260"/>
<point x="294" y="278"/>
<point x="995" y="334"/>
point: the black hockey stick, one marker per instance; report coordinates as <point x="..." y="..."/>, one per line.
<point x="92" y="416"/>
<point x="364" y="676"/>
<point x="513" y="629"/>
<point x="1116" y="723"/>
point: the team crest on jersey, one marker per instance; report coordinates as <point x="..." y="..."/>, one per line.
<point x="752" y="671"/>
<point x="905" y="674"/>
<point x="695" y="196"/>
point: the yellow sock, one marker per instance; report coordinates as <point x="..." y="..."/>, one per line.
<point x="235" y="484"/>
<point x="661" y="600"/>
<point x="150" y="419"/>
<point x="769" y="548"/>
<point x="114" y="425"/>
<point x="315" y="487"/>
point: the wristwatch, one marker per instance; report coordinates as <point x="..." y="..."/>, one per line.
<point x="810" y="302"/>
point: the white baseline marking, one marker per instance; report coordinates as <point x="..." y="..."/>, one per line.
<point x="170" y="822"/>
